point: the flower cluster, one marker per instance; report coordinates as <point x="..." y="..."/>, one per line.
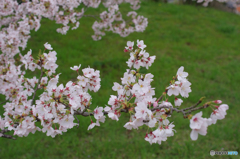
<point x="199" y="125"/>
<point x="121" y="27"/>
<point x="99" y="116"/>
<point x="179" y="87"/>
<point x="18" y="19"/>
<point x="58" y="105"/>
<point x="135" y="95"/>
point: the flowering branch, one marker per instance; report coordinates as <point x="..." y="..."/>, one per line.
<point x="202" y="107"/>
<point x="18" y="19"/>
<point x="195" y="105"/>
<point x="58" y="105"/>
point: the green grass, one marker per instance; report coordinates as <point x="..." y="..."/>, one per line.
<point x="203" y="40"/>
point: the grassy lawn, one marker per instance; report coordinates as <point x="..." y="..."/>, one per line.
<point x="203" y="40"/>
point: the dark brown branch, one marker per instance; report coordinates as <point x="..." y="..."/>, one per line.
<point x="87" y="6"/>
<point x="163" y="94"/>
<point x="91" y="113"/>
<point x="8" y="136"/>
<point x="183" y="111"/>
<point x="200" y="101"/>
<point x="130" y="97"/>
<point x="78" y="112"/>
<point x="160" y="98"/>
<point x="164" y="106"/>
<point x="30" y="84"/>
<point x="95" y="17"/>
<point x="202" y="107"/>
<point x="84" y="113"/>
<point x="5" y="135"/>
<point x="4" y="102"/>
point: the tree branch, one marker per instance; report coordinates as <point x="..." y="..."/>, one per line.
<point x="39" y="80"/>
<point x="202" y="107"/>
<point x="29" y="84"/>
<point x="5" y="135"/>
<point x="200" y="101"/>
<point x="95" y="17"/>
<point x="4" y="102"/>
<point x="76" y="119"/>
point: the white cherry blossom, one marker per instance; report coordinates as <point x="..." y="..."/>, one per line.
<point x="48" y="46"/>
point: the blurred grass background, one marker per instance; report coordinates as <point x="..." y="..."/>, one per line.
<point x="203" y="40"/>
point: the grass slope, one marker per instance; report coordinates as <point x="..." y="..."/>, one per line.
<point x="203" y="40"/>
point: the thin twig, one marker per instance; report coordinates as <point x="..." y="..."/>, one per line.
<point x="202" y="107"/>
<point x="3" y="102"/>
<point x="91" y="16"/>
<point x="30" y="84"/>
<point x="61" y="102"/>
<point x="78" y="112"/>
<point x="164" y="106"/>
<point x="5" y="135"/>
<point x="200" y="101"/>
<point x="124" y="110"/>
<point x="8" y="136"/>
<point x="130" y="97"/>
<point x="87" y="6"/>
<point x="160" y="98"/>
<point x="39" y="80"/>
<point x="76" y="119"/>
<point x="132" y="65"/>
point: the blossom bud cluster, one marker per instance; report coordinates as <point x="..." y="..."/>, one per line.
<point x="199" y="125"/>
<point x="182" y="86"/>
<point x="135" y="95"/>
<point x="57" y="107"/>
<point x="143" y="60"/>
<point x="57" y="104"/>
<point x="120" y="27"/>
<point x="179" y="86"/>
<point x="18" y="19"/>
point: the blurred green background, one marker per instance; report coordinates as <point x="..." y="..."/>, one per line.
<point x="203" y="40"/>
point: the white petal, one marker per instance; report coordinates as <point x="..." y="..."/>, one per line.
<point x="194" y="135"/>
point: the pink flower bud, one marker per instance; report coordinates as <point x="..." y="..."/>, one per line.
<point x="218" y="101"/>
<point x="155" y="104"/>
<point x="146" y="136"/>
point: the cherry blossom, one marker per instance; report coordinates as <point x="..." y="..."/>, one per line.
<point x="202" y="131"/>
<point x="129" y="45"/>
<point x="75" y="68"/>
<point x="48" y="46"/>
<point x="185" y="89"/>
<point x="58" y="105"/>
<point x="150" y="138"/>
<point x="181" y="75"/>
<point x="141" y="44"/>
<point x="219" y="113"/>
<point x="130" y="125"/>
<point x="173" y="90"/>
<point x="178" y="101"/>
<point x="196" y="121"/>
